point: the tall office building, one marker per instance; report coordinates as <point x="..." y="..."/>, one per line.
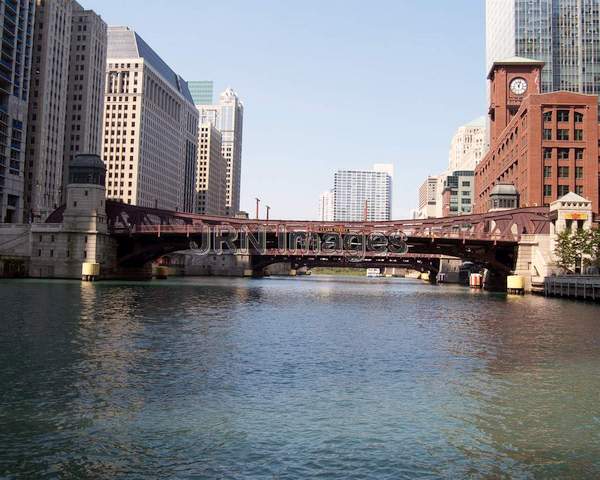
<point x="228" y="117"/>
<point x="429" y="198"/>
<point x="85" y="89"/>
<point x="202" y="91"/>
<point x="65" y="102"/>
<point x="561" y="33"/>
<point x="468" y="145"/>
<point x="211" y="178"/>
<point x="16" y="20"/>
<point x="363" y="194"/>
<point x="150" y="140"/>
<point x="326" y="206"/>
<point x="47" y="108"/>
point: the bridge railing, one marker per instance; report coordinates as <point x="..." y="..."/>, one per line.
<point x="429" y="233"/>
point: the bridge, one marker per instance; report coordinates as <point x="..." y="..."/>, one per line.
<point x="142" y="235"/>
<point x="110" y="239"/>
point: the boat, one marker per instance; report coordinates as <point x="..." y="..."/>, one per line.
<point x="374" y="272"/>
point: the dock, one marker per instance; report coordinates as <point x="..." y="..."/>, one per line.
<point x="585" y="287"/>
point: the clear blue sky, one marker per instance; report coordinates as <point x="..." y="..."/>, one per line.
<point x="327" y="84"/>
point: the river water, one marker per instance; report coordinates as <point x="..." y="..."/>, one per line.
<point x="317" y="377"/>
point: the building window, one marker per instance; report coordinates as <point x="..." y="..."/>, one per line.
<point x="562" y="134"/>
<point x="563" y="153"/>
<point x="579" y="154"/>
<point x="578" y="134"/>
<point x="578" y="117"/>
<point x="563" y="172"/>
<point x="547" y="190"/>
<point x="578" y="172"/>
<point x="547" y="134"/>
<point x="547" y="153"/>
<point x="547" y="172"/>
<point x="579" y="190"/>
<point x="547" y="116"/>
<point x="563" y="190"/>
<point x="562" y="115"/>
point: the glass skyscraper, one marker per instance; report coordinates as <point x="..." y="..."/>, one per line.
<point x="202" y="91"/>
<point x="565" y="34"/>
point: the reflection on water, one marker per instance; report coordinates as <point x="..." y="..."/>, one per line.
<point x="295" y="378"/>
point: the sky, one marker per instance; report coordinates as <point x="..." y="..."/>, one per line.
<point x="327" y="84"/>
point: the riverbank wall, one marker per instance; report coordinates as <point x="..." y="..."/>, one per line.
<point x="580" y="287"/>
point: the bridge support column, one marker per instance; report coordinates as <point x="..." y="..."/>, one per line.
<point x="495" y="280"/>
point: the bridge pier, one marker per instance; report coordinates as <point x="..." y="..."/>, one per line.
<point x="495" y="280"/>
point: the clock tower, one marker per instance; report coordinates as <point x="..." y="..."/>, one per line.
<point x="511" y="80"/>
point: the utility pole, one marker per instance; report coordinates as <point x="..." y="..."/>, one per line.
<point x="257" y="206"/>
<point x="268" y="210"/>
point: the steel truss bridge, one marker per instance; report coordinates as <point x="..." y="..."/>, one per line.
<point x="145" y="234"/>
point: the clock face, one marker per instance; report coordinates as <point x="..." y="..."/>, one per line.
<point x="518" y="86"/>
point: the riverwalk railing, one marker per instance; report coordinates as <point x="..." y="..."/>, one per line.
<point x="586" y="287"/>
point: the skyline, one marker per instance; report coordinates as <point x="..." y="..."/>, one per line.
<point x="351" y="120"/>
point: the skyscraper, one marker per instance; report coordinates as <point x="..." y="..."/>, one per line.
<point x="202" y="91"/>
<point x="228" y="117"/>
<point x="150" y="140"/>
<point x="211" y="179"/>
<point x="65" y="102"/>
<point x="429" y="198"/>
<point x="562" y="33"/>
<point x="468" y="145"/>
<point x="363" y="194"/>
<point x="85" y="89"/>
<point x="47" y="108"/>
<point x="17" y="20"/>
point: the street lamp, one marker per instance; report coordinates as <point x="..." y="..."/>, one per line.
<point x="257" y="206"/>
<point x="268" y="210"/>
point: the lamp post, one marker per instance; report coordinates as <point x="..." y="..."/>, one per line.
<point x="257" y="206"/>
<point x="268" y="210"/>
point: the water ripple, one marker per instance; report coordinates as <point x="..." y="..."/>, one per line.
<point x="294" y="378"/>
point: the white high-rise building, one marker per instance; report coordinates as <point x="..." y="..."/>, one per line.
<point x="429" y="192"/>
<point x="363" y="194"/>
<point x="561" y="33"/>
<point x="211" y="181"/>
<point x="228" y="117"/>
<point x="150" y="140"/>
<point x="468" y="145"/>
<point x="326" y="206"/>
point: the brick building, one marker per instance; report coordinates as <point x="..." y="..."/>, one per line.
<point x="546" y="145"/>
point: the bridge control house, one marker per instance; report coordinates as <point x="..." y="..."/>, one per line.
<point x="544" y="144"/>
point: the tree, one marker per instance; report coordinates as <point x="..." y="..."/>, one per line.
<point x="576" y="249"/>
<point x="566" y="254"/>
<point x="594" y="248"/>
